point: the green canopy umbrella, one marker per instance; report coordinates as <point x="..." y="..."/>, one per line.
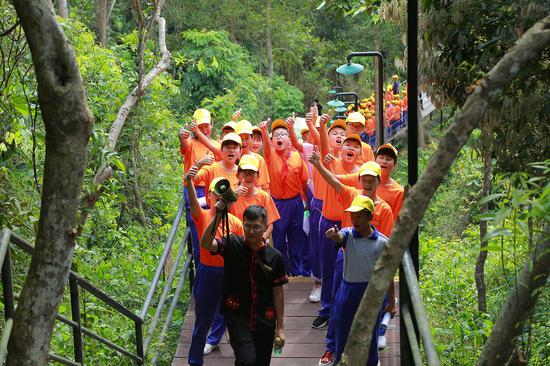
<point x="335" y="103"/>
<point x="349" y="69"/>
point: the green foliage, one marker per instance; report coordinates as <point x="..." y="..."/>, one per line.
<point x="218" y="72"/>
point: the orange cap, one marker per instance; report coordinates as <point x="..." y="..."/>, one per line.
<point x="278" y="123"/>
<point x="389" y="149"/>
<point x="337" y="123"/>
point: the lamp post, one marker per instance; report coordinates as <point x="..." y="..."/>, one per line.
<point x="352" y="69"/>
<point x="355" y="98"/>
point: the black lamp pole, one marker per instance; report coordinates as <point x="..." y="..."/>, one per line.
<point x="379" y="108"/>
<point x="412" y="159"/>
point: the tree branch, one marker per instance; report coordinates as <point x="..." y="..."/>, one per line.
<point x="526" y="50"/>
<point x="518" y="305"/>
<point x="105" y="172"/>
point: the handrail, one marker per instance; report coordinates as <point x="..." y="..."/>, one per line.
<point x="419" y="312"/>
<point x="411" y="335"/>
<point x="77" y="282"/>
<point x="162" y="260"/>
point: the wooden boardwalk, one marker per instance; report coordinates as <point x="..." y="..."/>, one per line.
<point x="304" y="345"/>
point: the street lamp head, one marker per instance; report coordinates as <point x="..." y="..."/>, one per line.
<point x="335" y="103"/>
<point x="341" y="109"/>
<point x="349" y="69"/>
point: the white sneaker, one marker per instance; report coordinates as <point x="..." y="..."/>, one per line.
<point x="382" y="342"/>
<point x="208" y="348"/>
<point x="315" y="294"/>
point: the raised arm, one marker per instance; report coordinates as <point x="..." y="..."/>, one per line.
<point x="194" y="206"/>
<point x="323" y="135"/>
<point x="311" y="126"/>
<point x="265" y="137"/>
<point x="206" y="141"/>
<point x="208" y="241"/>
<point x="184" y="137"/>
<point x="293" y="138"/>
<point x="327" y="175"/>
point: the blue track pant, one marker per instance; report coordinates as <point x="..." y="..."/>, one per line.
<point x="289" y="237"/>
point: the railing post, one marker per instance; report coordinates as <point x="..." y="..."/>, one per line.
<point x="139" y="342"/>
<point x="75" y="314"/>
<point x="7" y="286"/>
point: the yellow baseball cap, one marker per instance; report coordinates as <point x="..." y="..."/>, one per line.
<point x="370" y="168"/>
<point x="201" y="116"/>
<point x="230" y="125"/>
<point x="304" y="130"/>
<point x="243" y="126"/>
<point x="231" y="136"/>
<point x="278" y="123"/>
<point x="392" y="150"/>
<point x="361" y="203"/>
<point x="355" y="117"/>
<point x="213" y="183"/>
<point x="249" y="162"/>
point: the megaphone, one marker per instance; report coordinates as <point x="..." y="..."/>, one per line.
<point x="223" y="189"/>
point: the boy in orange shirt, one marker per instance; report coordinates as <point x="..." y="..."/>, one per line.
<point x="250" y="194"/>
<point x="355" y="124"/>
<point x="389" y="190"/>
<point x="196" y="152"/>
<point x="288" y="178"/>
<point x="227" y="167"/>
<point x="208" y="285"/>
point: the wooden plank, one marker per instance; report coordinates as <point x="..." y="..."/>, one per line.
<point x="304" y="345"/>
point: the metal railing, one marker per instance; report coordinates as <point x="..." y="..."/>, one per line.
<point x="414" y="319"/>
<point x="77" y="283"/>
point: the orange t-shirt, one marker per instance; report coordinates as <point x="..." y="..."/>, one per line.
<point x="263" y="199"/>
<point x="201" y="222"/>
<point x="289" y="186"/>
<point x="262" y="169"/>
<point x="382" y="217"/>
<point x="332" y="204"/>
<point x="195" y="151"/>
<point x="392" y="193"/>
<point x="208" y="172"/>
<point x="319" y="184"/>
<point x="366" y="154"/>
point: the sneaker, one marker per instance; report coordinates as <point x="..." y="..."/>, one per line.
<point x="326" y="360"/>
<point x="320" y="322"/>
<point x="208" y="348"/>
<point x="382" y="342"/>
<point x="315" y="294"/>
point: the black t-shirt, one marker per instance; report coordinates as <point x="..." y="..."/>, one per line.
<point x="249" y="278"/>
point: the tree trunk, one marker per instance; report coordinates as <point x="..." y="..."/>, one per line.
<point x="268" y="45"/>
<point x="68" y="124"/>
<point x="485" y="188"/>
<point x="62" y="8"/>
<point x="526" y="50"/>
<point x="521" y="300"/>
<point x="102" y="12"/>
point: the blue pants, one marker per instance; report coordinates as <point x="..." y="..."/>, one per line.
<point x="328" y="257"/>
<point x="208" y="295"/>
<point x="337" y="280"/>
<point x="289" y="237"/>
<point x="315" y="207"/>
<point x="347" y="301"/>
<point x="192" y="227"/>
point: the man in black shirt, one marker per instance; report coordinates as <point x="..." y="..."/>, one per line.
<point x="253" y="302"/>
